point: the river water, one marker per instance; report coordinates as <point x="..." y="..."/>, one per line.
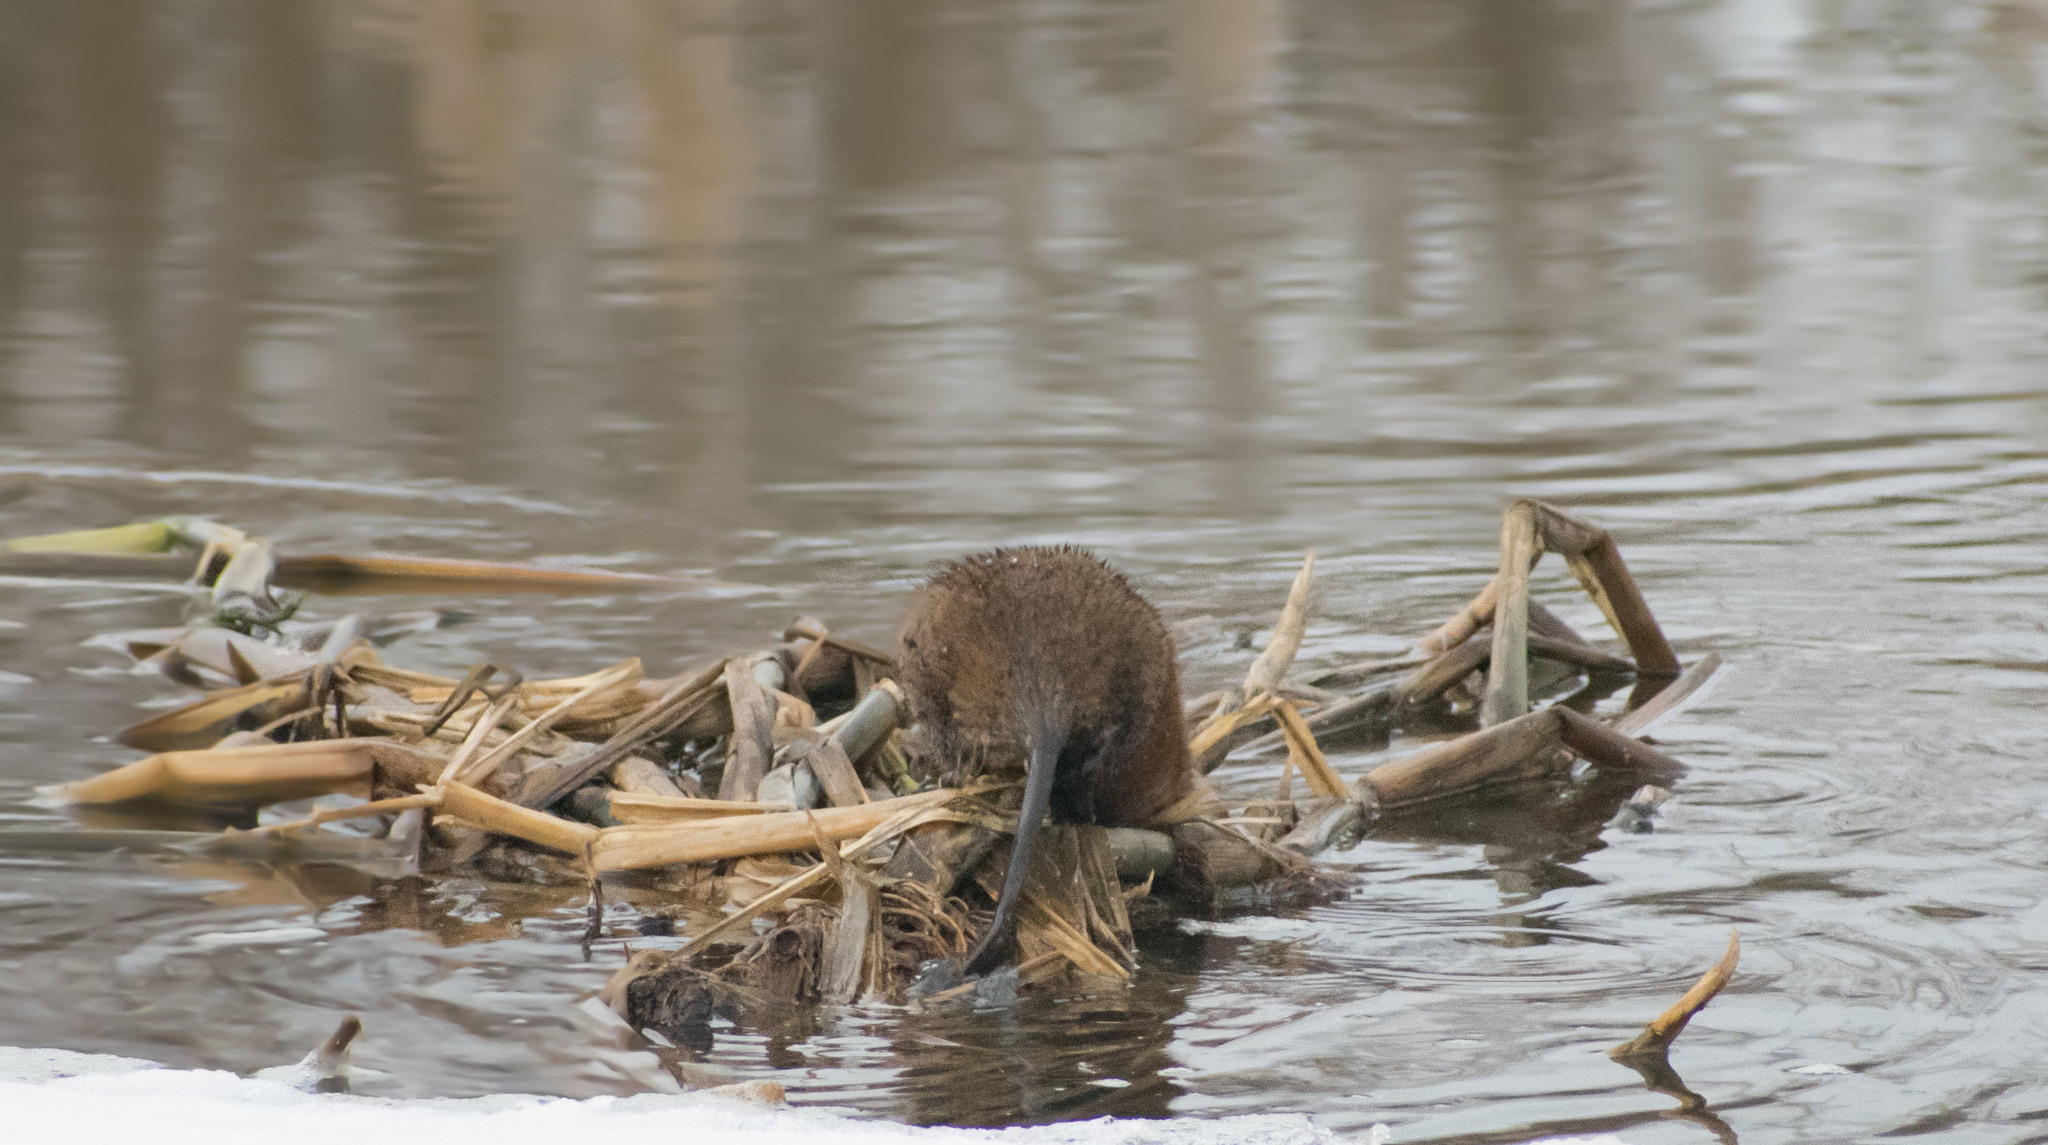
<point x="803" y="298"/>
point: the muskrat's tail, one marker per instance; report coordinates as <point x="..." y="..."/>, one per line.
<point x="995" y="946"/>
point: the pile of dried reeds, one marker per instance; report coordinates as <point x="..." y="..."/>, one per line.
<point x="782" y="783"/>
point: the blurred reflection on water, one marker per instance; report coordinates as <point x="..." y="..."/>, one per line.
<point x="813" y="294"/>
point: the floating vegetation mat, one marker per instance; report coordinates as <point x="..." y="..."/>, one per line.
<point x="779" y="794"/>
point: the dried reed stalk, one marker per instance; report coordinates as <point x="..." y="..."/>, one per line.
<point x="1607" y="747"/>
<point x="199" y="724"/>
<point x="1673" y="694"/>
<point x="1271" y="667"/>
<point x="628" y="807"/>
<point x="637" y="846"/>
<point x="1507" y="674"/>
<point x="1302" y="750"/>
<point x="1596" y="561"/>
<point x="233" y="777"/>
<point x="1462" y="624"/>
<point x="1657" y="1037"/>
<point x="542" y="786"/>
<point x="475" y="808"/>
<point x="1526" y="747"/>
<point x="752" y="749"/>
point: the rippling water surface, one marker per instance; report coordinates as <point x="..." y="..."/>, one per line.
<point x="807" y="297"/>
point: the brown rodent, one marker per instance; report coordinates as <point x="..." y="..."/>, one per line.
<point x="1049" y="656"/>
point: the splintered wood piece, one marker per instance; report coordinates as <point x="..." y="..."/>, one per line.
<point x="1459" y="628"/>
<point x="1673" y="694"/>
<point x="752" y="749"/>
<point x="1271" y="667"/>
<point x="1507" y="673"/>
<point x="1657" y="1037"/>
<point x="1209" y="859"/>
<point x="635" y="846"/>
<point x="1526" y="747"/>
<point x="1302" y="750"/>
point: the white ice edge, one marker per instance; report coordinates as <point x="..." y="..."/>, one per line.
<point x="52" y="1096"/>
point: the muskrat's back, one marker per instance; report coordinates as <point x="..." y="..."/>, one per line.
<point x="1008" y="648"/>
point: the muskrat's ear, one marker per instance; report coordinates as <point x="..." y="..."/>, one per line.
<point x="919" y="601"/>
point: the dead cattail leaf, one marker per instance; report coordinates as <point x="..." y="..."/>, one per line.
<point x="1302" y="750"/>
<point x="240" y="777"/>
<point x="203" y="722"/>
<point x="144" y="537"/>
<point x="334" y="573"/>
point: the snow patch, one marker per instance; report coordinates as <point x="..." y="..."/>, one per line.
<point x="53" y="1096"/>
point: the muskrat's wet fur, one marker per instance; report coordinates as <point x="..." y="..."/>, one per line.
<point x="1048" y="654"/>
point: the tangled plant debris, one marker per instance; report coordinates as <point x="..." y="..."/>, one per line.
<point x="780" y="789"/>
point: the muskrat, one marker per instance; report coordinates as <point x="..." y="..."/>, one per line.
<point x="1049" y="656"/>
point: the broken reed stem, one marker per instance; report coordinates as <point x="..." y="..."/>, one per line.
<point x="1657" y="1037"/>
<point x="810" y="877"/>
<point x="458" y="763"/>
<point x="1302" y="750"/>
<point x="1436" y="677"/>
<point x="1430" y="681"/>
<point x="1462" y="624"/>
<point x="1595" y="741"/>
<point x="359" y="811"/>
<point x="1596" y="561"/>
<point x="542" y="787"/>
<point x="751" y="751"/>
<point x="504" y="817"/>
<point x="1673" y="694"/>
<point x="637" y="846"/>
<point x="1209" y="744"/>
<point x="1271" y="667"/>
<point x="1507" y="676"/>
<point x="490" y="762"/>
<point x="1521" y="748"/>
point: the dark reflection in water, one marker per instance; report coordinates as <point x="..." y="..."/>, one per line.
<point x="810" y="295"/>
